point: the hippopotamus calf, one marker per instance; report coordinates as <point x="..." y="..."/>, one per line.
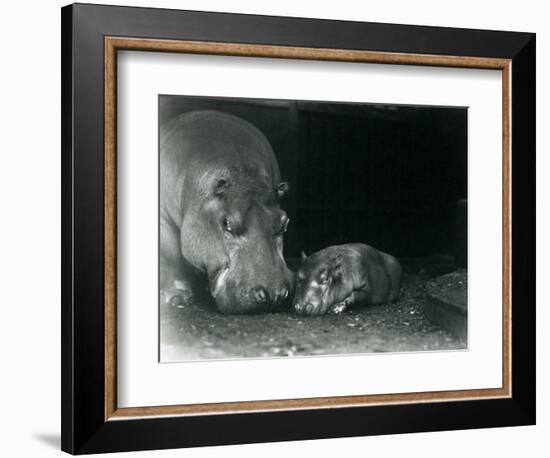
<point x="221" y="225"/>
<point x="336" y="277"/>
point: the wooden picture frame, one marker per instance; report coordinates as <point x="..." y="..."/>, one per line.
<point x="91" y="37"/>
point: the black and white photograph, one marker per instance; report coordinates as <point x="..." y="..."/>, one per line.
<point x="292" y="228"/>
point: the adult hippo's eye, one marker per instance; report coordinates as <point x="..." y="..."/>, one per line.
<point x="231" y="226"/>
<point x="226" y="225"/>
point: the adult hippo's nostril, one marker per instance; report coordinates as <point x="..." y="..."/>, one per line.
<point x="259" y="294"/>
<point x="281" y="294"/>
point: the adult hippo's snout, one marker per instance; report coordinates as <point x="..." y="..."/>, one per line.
<point x="262" y="297"/>
<point x="220" y="215"/>
<point x="231" y="298"/>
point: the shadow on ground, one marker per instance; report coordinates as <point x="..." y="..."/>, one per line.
<point x="50" y="439"/>
<point x="193" y="332"/>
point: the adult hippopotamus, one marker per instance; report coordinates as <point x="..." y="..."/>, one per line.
<point x="221" y="225"/>
<point x="336" y="277"/>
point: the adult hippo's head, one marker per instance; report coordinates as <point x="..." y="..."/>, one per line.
<point x="247" y="272"/>
<point x="232" y="225"/>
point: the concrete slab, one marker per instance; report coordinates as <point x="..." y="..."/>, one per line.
<point x="447" y="302"/>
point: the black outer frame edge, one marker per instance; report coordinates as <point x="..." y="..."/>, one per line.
<point x="83" y="427"/>
<point x="174" y="432"/>
<point x="524" y="217"/>
<point x="67" y="413"/>
<point x="306" y="32"/>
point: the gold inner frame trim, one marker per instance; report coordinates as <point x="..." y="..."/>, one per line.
<point x="114" y="44"/>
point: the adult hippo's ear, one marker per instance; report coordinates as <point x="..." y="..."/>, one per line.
<point x="282" y="189"/>
<point x="220" y="186"/>
<point x="304" y="256"/>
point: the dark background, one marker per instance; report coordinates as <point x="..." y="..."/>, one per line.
<point x="386" y="175"/>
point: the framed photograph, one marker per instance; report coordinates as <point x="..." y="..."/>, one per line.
<point x="284" y="228"/>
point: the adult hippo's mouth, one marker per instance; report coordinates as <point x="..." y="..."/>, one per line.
<point x="219" y="280"/>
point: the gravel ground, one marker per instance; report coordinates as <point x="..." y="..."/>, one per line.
<point x="196" y="332"/>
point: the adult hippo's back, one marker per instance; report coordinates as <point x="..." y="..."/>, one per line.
<point x="220" y="219"/>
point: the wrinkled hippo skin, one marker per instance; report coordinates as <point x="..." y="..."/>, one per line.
<point x="221" y="224"/>
<point x="336" y="277"/>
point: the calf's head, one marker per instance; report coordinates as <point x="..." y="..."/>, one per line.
<point x="320" y="283"/>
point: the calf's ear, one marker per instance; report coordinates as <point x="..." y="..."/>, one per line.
<point x="337" y="267"/>
<point x="304" y="256"/>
